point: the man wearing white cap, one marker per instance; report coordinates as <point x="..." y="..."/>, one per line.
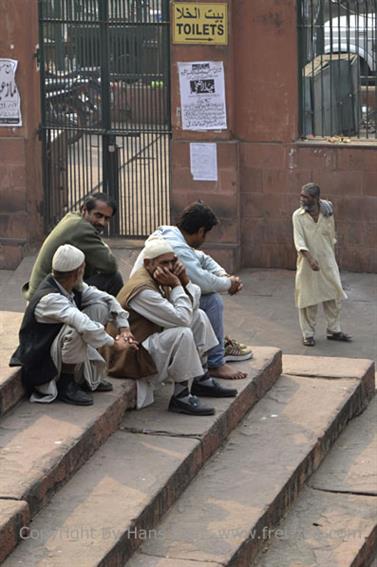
<point x="62" y="329"/>
<point x="173" y="333"/>
<point x="190" y="233"/>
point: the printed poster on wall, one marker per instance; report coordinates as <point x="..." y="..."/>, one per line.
<point x="10" y="104"/>
<point x="202" y="90"/>
<point x="203" y="161"/>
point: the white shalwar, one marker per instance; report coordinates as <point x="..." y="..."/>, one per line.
<point x="83" y="332"/>
<point x="180" y="350"/>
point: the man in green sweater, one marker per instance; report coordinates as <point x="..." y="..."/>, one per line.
<point x="82" y="229"/>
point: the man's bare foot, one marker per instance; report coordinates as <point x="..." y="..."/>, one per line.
<point x="226" y="372"/>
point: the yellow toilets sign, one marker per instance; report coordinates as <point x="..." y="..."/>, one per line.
<point x="195" y="22"/>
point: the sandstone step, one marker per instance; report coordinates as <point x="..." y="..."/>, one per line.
<point x="324" y="530"/>
<point x="43" y="445"/>
<point x="11" y="389"/>
<point x="228" y="511"/>
<point x="12" y="306"/>
<point x="114" y="501"/>
<point x="13" y="516"/>
<point x="334" y="521"/>
<point x="352" y="464"/>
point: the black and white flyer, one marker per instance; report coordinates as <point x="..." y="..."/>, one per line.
<point x="202" y="91"/>
<point x="10" y="104"/>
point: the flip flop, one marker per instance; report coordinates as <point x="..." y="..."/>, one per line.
<point x="339" y="337"/>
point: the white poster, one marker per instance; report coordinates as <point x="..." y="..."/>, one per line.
<point x="10" y="105"/>
<point x="202" y="90"/>
<point x="203" y="161"/>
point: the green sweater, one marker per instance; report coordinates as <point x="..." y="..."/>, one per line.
<point x="72" y="229"/>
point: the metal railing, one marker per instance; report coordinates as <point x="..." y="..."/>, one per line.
<point x="338" y="69"/>
<point x="105" y="91"/>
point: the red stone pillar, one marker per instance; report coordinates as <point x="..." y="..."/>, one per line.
<point x="223" y="241"/>
<point x="20" y="148"/>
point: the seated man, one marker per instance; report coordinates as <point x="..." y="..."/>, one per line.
<point x="174" y="335"/>
<point x="62" y="327"/>
<point x="185" y="238"/>
<point x="82" y="229"/>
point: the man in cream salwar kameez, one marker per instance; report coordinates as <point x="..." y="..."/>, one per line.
<point x="173" y="333"/>
<point x="317" y="277"/>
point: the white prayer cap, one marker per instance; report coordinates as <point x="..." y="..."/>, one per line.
<point x="67" y="258"/>
<point x="156" y="247"/>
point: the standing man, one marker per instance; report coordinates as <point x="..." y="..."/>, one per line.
<point x="83" y="230"/>
<point x="174" y="334"/>
<point x="317" y="275"/>
<point x="186" y="238"/>
<point x="62" y="329"/>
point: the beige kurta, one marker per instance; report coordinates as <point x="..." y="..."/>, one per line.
<point x="319" y="239"/>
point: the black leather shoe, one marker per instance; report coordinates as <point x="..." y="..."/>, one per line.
<point x="71" y="393"/>
<point x="104" y="386"/>
<point x="189" y="405"/>
<point x="212" y="390"/>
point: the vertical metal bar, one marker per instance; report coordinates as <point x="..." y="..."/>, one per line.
<point x="375" y="65"/>
<point x="105" y="102"/>
<point x="339" y="128"/>
<point x="43" y="131"/>
<point x="301" y="93"/>
<point x="167" y="101"/>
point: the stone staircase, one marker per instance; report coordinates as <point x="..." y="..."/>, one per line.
<point x="108" y="487"/>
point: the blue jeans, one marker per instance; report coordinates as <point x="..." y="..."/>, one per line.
<point x="213" y="305"/>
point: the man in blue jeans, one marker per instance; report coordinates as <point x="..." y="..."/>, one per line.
<point x="186" y="238"/>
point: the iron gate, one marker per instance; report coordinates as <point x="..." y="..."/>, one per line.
<point x="105" y="92"/>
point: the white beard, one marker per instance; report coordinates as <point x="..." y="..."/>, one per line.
<point x="79" y="284"/>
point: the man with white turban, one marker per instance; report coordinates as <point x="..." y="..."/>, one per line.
<point x="62" y="329"/>
<point x="173" y="333"/>
<point x="186" y="238"/>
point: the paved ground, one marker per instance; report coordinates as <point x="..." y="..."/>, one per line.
<point x="262" y="314"/>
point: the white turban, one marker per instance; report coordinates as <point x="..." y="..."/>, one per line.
<point x="67" y="258"/>
<point x="156" y="247"/>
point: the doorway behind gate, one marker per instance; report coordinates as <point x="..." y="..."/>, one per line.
<point x="105" y="92"/>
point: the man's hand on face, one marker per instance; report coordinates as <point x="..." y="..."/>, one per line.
<point x="236" y="285"/>
<point x="164" y="276"/>
<point x="180" y="271"/>
<point x="124" y="339"/>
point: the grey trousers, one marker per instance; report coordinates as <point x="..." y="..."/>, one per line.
<point x="180" y="354"/>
